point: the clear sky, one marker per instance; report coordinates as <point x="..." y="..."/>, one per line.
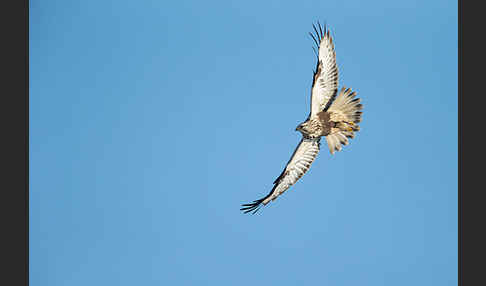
<point x="151" y="122"/>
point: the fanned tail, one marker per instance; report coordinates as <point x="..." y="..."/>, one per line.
<point x="346" y="112"/>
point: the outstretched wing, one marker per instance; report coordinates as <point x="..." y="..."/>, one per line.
<point x="299" y="163"/>
<point x="325" y="82"/>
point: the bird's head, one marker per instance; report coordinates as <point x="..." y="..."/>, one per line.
<point x="302" y="128"/>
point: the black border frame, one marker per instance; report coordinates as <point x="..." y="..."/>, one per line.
<point x="14" y="124"/>
<point x="459" y="136"/>
<point x="14" y="199"/>
<point x="471" y="63"/>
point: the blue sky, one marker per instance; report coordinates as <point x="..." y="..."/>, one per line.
<point x="152" y="121"/>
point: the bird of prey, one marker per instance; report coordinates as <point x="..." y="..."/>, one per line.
<point x="332" y="115"/>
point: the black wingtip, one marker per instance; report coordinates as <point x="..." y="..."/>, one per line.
<point x="320" y="31"/>
<point x="323" y="29"/>
<point x="252" y="207"/>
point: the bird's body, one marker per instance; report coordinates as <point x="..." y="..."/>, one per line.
<point x="332" y="116"/>
<point x="324" y="124"/>
<point x="317" y="126"/>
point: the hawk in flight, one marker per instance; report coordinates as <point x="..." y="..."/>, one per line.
<point x="332" y="115"/>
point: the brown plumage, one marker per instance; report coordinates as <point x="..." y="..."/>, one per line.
<point x="334" y="116"/>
